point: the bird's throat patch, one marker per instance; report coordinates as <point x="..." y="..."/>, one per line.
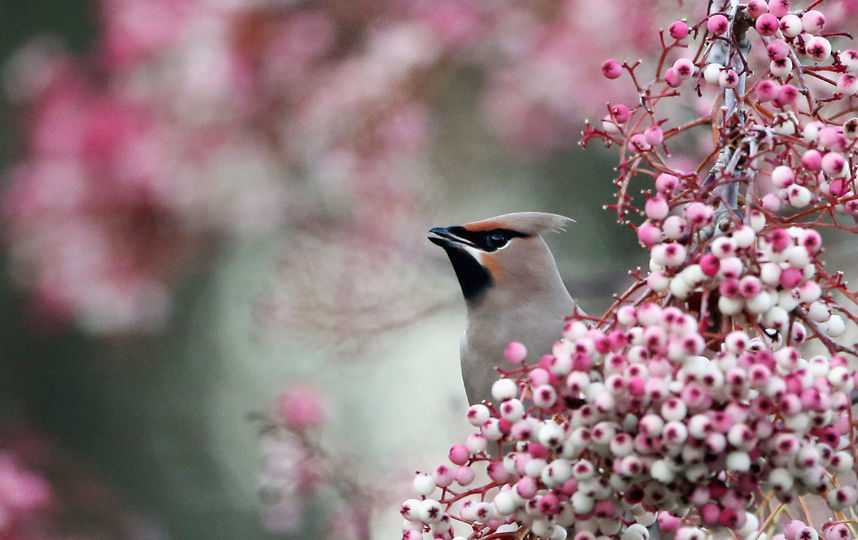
<point x="473" y="277"/>
<point x="490" y="264"/>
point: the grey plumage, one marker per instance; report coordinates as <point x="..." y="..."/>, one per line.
<point x="512" y="289"/>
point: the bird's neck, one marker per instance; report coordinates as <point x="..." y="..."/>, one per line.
<point x="526" y="298"/>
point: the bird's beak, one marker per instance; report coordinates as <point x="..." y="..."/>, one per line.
<point x="445" y="237"/>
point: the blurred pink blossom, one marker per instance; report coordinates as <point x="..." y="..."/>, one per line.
<point x="23" y="495"/>
<point x="302" y="407"/>
<point x="21" y="490"/>
<point x="200" y="120"/>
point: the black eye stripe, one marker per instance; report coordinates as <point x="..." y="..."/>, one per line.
<point x="488" y="240"/>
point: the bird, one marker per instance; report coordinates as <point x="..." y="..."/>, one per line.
<point x="512" y="290"/>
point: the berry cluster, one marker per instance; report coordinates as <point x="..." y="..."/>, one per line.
<point x="663" y="432"/>
<point x="716" y="392"/>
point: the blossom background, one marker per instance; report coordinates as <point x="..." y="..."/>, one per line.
<point x="207" y="203"/>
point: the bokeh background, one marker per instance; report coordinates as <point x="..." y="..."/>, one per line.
<point x="208" y="202"/>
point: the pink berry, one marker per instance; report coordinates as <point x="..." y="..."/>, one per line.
<point x="497" y="472"/>
<point x="780" y="240"/>
<point x="709" y="513"/>
<point x="767" y="24"/>
<point x="710" y="264"/>
<point x="793" y="528"/>
<point x="834" y="164"/>
<point x="847" y="84"/>
<point x="717" y="24"/>
<point x="526" y="487"/>
<point x="476" y="443"/>
<point x="831" y="137"/>
<point x="849" y="59"/>
<point x="537" y="451"/>
<point x="668" y="522"/>
<point x="459" y="454"/>
<point x="653" y="135"/>
<point x="699" y="213"/>
<point x="549" y="504"/>
<point x="837" y="188"/>
<point x="812" y="160"/>
<point x="666" y="183"/>
<point x="656" y="208"/>
<point x="790" y="25"/>
<point x="771" y="203"/>
<point x="750" y="286"/>
<point x="791" y="277"/>
<point x="539" y="376"/>
<point x="678" y="30"/>
<point x="818" y="48"/>
<point x="838" y="531"/>
<point x="811" y="241"/>
<point x="515" y="352"/>
<point x="779" y="8"/>
<point x="672" y="78"/>
<point x="684" y="68"/>
<point x="813" y="21"/>
<point x="604" y="509"/>
<point x="782" y="176"/>
<point x="756" y="8"/>
<point x="621" y="113"/>
<point x="637" y="143"/>
<point x="777" y="49"/>
<point x="729" y="288"/>
<point x="730" y="518"/>
<point x="728" y="79"/>
<point x="612" y="69"/>
<point x="443" y="476"/>
<point x="464" y="475"/>
<point x="787" y="95"/>
<point x="767" y="90"/>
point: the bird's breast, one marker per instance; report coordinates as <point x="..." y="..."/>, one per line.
<point x="484" y="341"/>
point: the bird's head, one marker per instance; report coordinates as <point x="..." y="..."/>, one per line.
<point x="506" y="249"/>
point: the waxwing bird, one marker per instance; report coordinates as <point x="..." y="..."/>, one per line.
<point x="512" y="289"/>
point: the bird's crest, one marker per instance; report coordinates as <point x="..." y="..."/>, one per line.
<point x="528" y="223"/>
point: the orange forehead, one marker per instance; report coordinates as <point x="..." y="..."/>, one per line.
<point x="484" y="225"/>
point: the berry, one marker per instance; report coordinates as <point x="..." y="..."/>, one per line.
<point x="818" y="48"/>
<point x="813" y="21"/>
<point x="717" y="24"/>
<point x="791" y="25"/>
<point x="612" y="69"/>
<point x="767" y="24"/>
<point x="847" y="84"/>
<point x="767" y="90"/>
<point x="779" y="8"/>
<point x="678" y="30"/>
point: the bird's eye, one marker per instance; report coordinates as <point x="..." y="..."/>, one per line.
<point x="496" y="240"/>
